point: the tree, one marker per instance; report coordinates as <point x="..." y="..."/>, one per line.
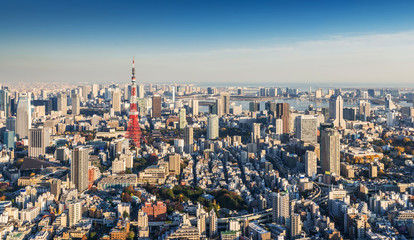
<point x="92" y="235"/>
<point x="131" y="235"/>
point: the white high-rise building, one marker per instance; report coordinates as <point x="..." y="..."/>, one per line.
<point x="75" y="104"/>
<point x="279" y="126"/>
<point x="183" y="118"/>
<point x="39" y="139"/>
<point x="95" y="90"/>
<point x="256" y="132"/>
<point x="24" y="116"/>
<point x="62" y="103"/>
<point x="213" y="224"/>
<point x="116" y="101"/>
<point x="194" y="107"/>
<point x="306" y="128"/>
<point x="310" y="163"/>
<point x="330" y="151"/>
<point x="79" y="168"/>
<point x="212" y="127"/>
<point x="280" y="205"/>
<point x="140" y="91"/>
<point x="75" y="212"/>
<point x="336" y="111"/>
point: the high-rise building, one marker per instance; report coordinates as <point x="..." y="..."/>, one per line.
<point x="194" y="107"/>
<point x="219" y="107"/>
<point x="156" y="106"/>
<point x="295" y="226"/>
<point x="212" y="127"/>
<point x="188" y="140"/>
<point x="213" y="224"/>
<point x="330" y="151"/>
<point x="225" y="99"/>
<point x="183" y="118"/>
<point x="24" y="116"/>
<point x="11" y="124"/>
<point x="39" y="139"/>
<point x="62" y="103"/>
<point x="8" y="139"/>
<point x="5" y="102"/>
<point x="75" y="104"/>
<point x="140" y="91"/>
<point x="280" y="205"/>
<point x="174" y="163"/>
<point x="95" y="90"/>
<point x="143" y="230"/>
<point x="279" y="126"/>
<point x="306" y="128"/>
<point x="75" y="212"/>
<point x="254" y="106"/>
<point x="202" y="225"/>
<point x="336" y="111"/>
<point x="116" y="101"/>
<point x="256" y="132"/>
<point x="310" y="163"/>
<point x="365" y="109"/>
<point x="79" y="168"/>
<point x="282" y="112"/>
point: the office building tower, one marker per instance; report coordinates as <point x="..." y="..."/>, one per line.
<point x="194" y="107"/>
<point x="350" y="114"/>
<point x="183" y="118"/>
<point x="55" y="188"/>
<point x="330" y="151"/>
<point x="95" y="90"/>
<point x="336" y="111"/>
<point x="8" y="139"/>
<point x="280" y="205"/>
<point x="75" y="104"/>
<point x="389" y="104"/>
<point x="188" y="140"/>
<point x="256" y="133"/>
<point x="75" y="212"/>
<point x="270" y="107"/>
<point x="213" y="226"/>
<point x="212" y="127"/>
<point x="254" y="106"/>
<point x="310" y="163"/>
<point x="295" y="226"/>
<point x="279" y="126"/>
<point x="11" y="124"/>
<point x="5" y="102"/>
<point x="239" y="91"/>
<point x="219" y="108"/>
<point x="62" y="103"/>
<point x="85" y="92"/>
<point x="225" y="99"/>
<point x="24" y="116"/>
<point x="141" y="92"/>
<point x="373" y="171"/>
<point x="306" y="128"/>
<point x="156" y="106"/>
<point x="116" y="101"/>
<point x="365" y="109"/>
<point x="79" y="168"/>
<point x="174" y="161"/>
<point x="39" y="139"/>
<point x="282" y="112"/>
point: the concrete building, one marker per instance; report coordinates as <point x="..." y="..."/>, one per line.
<point x="116" y="101"/>
<point x="188" y="140"/>
<point x="182" y="118"/>
<point x="174" y="161"/>
<point x="282" y="112"/>
<point x="24" y="116"/>
<point x="212" y="127"/>
<point x="280" y="205"/>
<point x="306" y="128"/>
<point x="79" y="168"/>
<point x="39" y="139"/>
<point x="156" y="106"/>
<point x="75" y="104"/>
<point x="75" y="212"/>
<point x="62" y="103"/>
<point x="310" y="163"/>
<point x="336" y="111"/>
<point x="330" y="151"/>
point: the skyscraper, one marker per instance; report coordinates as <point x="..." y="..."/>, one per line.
<point x="174" y="163"/>
<point x="330" y="151"/>
<point x="336" y="111"/>
<point x="306" y="128"/>
<point x="280" y="205"/>
<point x="39" y="139"/>
<point x="225" y="99"/>
<point x="256" y="132"/>
<point x="219" y="107"/>
<point x="213" y="224"/>
<point x="24" y="116"/>
<point x="183" y="118"/>
<point x="62" y="103"/>
<point x="75" y="212"/>
<point x="8" y="139"/>
<point x="95" y="89"/>
<point x="156" y="106"/>
<point x="116" y="101"/>
<point x="140" y="91"/>
<point x="188" y="140"/>
<point x="79" y="168"/>
<point x="194" y="107"/>
<point x="295" y="226"/>
<point x="5" y="102"/>
<point x="254" y="106"/>
<point x="310" y="163"/>
<point x="75" y="104"/>
<point x="212" y="127"/>
<point x="282" y="112"/>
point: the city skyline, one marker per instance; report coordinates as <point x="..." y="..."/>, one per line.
<point x="319" y="43"/>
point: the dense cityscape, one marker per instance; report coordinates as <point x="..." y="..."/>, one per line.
<point x="180" y="161"/>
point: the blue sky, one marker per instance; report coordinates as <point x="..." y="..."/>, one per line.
<point x="266" y="42"/>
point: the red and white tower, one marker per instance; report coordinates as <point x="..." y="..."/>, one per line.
<point x="133" y="130"/>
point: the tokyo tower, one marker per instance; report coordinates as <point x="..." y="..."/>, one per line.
<point x="133" y="131"/>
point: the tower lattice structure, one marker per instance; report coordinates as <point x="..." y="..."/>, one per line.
<point x="133" y="131"/>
